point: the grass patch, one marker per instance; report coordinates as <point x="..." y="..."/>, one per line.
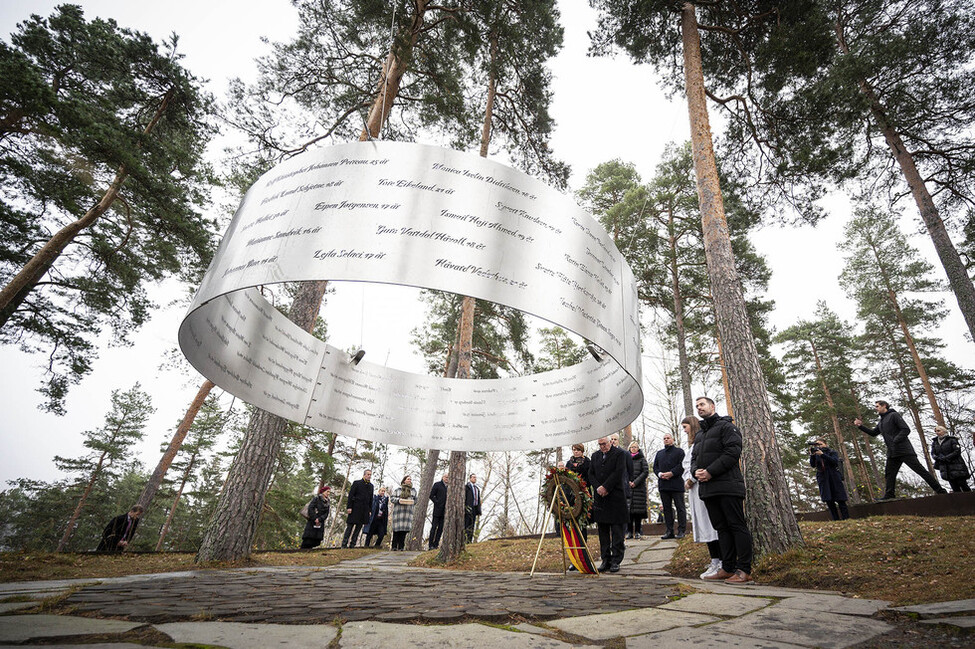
<point x="901" y="559"/>
<point x="507" y="555"/>
<point x="32" y="566"/>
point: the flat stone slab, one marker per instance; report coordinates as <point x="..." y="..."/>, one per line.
<point x="651" y="555"/>
<point x="703" y="637"/>
<point x="20" y="628"/>
<point x="940" y="608"/>
<point x="380" y="635"/>
<point x="531" y="628"/>
<point x="98" y="645"/>
<point x="626" y="623"/>
<point x="963" y="622"/>
<point x="6" y="607"/>
<point x="238" y="635"/>
<point x="710" y="604"/>
<point x="807" y="628"/>
<point x="835" y="604"/>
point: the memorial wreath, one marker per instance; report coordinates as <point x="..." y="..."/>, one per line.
<point x="576" y="493"/>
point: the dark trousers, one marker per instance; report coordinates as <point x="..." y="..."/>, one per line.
<point x="379" y="539"/>
<point x="399" y="540"/>
<point x="351" y="537"/>
<point x="436" y="532"/>
<point x="611" y="542"/>
<point x="714" y="549"/>
<point x="894" y="465"/>
<point x="959" y="485"/>
<point x="675" y="498"/>
<point x="469" y="521"/>
<point x="843" y="512"/>
<point x="635" y="526"/>
<point x="727" y="514"/>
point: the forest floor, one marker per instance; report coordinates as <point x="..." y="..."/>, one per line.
<point x="902" y="559"/>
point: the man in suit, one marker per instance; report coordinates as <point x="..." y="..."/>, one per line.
<point x="119" y="531"/>
<point x="900" y="451"/>
<point x="606" y="470"/>
<point x="358" y="508"/>
<point x="472" y="507"/>
<point x="439" y="497"/>
<point x="668" y="467"/>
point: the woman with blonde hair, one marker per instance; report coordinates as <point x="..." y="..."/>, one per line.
<point x="401" y="512"/>
<point x="946" y="452"/>
<point x="700" y="522"/>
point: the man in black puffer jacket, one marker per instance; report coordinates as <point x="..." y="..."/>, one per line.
<point x="714" y="464"/>
<point x="894" y="430"/>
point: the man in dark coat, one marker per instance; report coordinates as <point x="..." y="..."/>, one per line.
<point x="359" y="508"/>
<point x="119" y="531"/>
<point x="472" y="507"/>
<point x="714" y="463"/>
<point x="826" y="461"/>
<point x="894" y="430"/>
<point x="438" y="495"/>
<point x="668" y="466"/>
<point x="607" y="468"/>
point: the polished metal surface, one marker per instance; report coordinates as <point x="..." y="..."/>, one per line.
<point x="416" y="215"/>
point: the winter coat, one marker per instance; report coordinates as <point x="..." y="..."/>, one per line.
<point x="717" y="448"/>
<point x="946" y="453"/>
<point x="894" y="430"/>
<point x="360" y="502"/>
<point x="378" y="517"/>
<point x="439" y="497"/>
<point x="118" y="529"/>
<point x="580" y="466"/>
<point x="669" y="458"/>
<point x="630" y="469"/>
<point x="318" y="510"/>
<point x="638" y="493"/>
<point x="828" y="475"/>
<point x="402" y="515"/>
<point x="608" y="472"/>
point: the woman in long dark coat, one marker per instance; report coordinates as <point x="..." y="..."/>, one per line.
<point x="317" y="515"/>
<point x="378" y="521"/>
<point x="946" y="452"/>
<point x="638" y="491"/>
<point x="826" y="461"/>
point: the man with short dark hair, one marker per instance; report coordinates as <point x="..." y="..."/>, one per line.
<point x="895" y="431"/>
<point x="472" y="507"/>
<point x="119" y="531"/>
<point x="438" y="495"/>
<point x="607" y="467"/>
<point x="358" y="508"/>
<point x="715" y="465"/>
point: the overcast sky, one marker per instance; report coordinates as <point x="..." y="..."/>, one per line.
<point x="604" y="109"/>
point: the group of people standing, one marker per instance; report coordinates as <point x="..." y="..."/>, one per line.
<point x="374" y="514"/>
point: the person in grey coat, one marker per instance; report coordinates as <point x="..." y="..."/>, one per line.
<point x="946" y="452"/>
<point x="894" y="430"/>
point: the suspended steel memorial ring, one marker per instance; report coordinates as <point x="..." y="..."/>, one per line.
<point x="415" y="215"/>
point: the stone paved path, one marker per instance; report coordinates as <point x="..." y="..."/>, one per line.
<point x="378" y="601"/>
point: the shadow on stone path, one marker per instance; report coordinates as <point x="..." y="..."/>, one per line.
<point x="365" y="603"/>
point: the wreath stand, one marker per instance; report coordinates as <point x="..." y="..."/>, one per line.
<point x="558" y="495"/>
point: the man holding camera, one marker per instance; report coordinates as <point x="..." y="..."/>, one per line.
<point x="894" y="430"/>
<point x="826" y="461"/>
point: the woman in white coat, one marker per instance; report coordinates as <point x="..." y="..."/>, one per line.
<point x="701" y="523"/>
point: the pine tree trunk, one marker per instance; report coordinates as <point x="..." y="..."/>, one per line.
<point x="769" y="512"/>
<point x="17" y="290"/>
<point x="156" y="479"/>
<point x="724" y="368"/>
<point x="453" y="541"/>
<point x="862" y="465"/>
<point x="877" y="479"/>
<point x="961" y="284"/>
<point x="682" y="361"/>
<point x="172" y="508"/>
<point x="69" y="530"/>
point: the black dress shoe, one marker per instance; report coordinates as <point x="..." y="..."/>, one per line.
<point x="669" y="535"/>
<point x="571" y="568"/>
<point x="614" y="568"/>
<point x="603" y="567"/>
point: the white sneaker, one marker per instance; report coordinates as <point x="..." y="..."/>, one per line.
<point x="712" y="569"/>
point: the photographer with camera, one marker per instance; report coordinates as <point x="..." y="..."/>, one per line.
<point x="826" y="461"/>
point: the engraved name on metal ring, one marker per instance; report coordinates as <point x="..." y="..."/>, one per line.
<point x="416" y="215"/>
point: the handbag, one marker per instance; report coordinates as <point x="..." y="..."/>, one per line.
<point x="304" y="510"/>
